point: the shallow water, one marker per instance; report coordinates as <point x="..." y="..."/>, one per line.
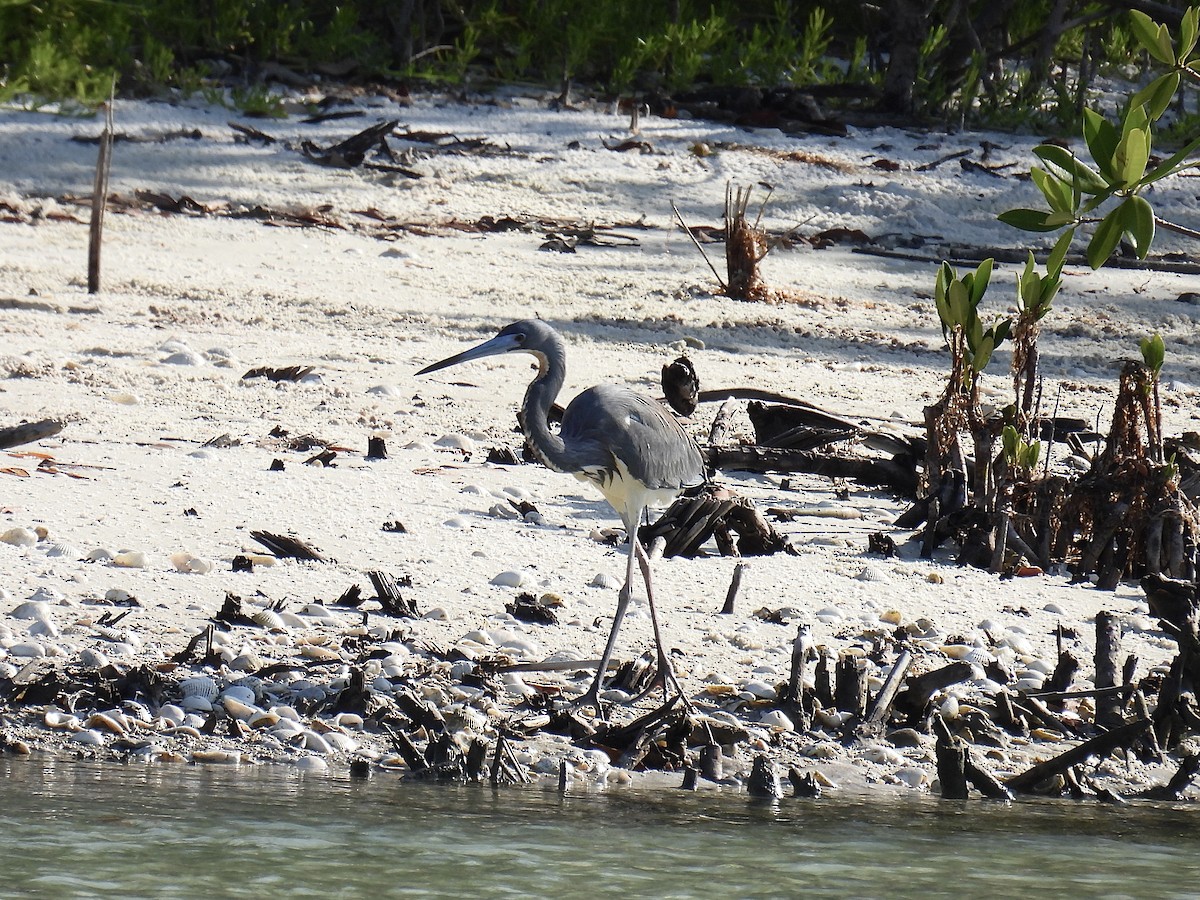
<point x="104" y="830"/>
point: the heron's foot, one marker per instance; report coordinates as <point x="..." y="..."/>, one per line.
<point x="591" y="698"/>
<point x="664" y="678"/>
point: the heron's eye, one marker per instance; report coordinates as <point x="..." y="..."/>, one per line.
<point x="519" y="338"/>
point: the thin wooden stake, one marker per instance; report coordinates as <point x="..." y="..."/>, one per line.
<point x="734" y="586"/>
<point x="100" y="194"/>
<point x="688" y="231"/>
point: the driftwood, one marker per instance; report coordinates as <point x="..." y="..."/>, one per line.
<point x="387" y="592"/>
<point x="29" y="432"/>
<point x="100" y="198"/>
<point x="914" y="698"/>
<point x="797" y="427"/>
<point x="877" y="472"/>
<point x="850" y="685"/>
<point x="287" y="547"/>
<point x="714" y="512"/>
<point x="881" y="707"/>
<point x="1108" y="648"/>
<point x="763" y="782"/>
<point x="1099" y="746"/>
<point x="735" y="585"/>
<point x="351" y="152"/>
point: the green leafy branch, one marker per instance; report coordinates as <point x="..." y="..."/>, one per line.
<point x="971" y="345"/>
<point x="1120" y="157"/>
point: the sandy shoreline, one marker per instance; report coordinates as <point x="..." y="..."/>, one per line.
<point x="150" y="370"/>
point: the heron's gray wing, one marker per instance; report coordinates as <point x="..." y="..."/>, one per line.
<point x="607" y="423"/>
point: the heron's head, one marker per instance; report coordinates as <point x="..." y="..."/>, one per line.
<point x="528" y="336"/>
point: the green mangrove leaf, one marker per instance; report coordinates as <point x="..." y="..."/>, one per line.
<point x="1106" y="237"/>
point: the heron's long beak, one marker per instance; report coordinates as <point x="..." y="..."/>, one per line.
<point x="501" y="343"/>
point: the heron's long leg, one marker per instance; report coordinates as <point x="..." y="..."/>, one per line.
<point x="592" y="697"/>
<point x="665" y="670"/>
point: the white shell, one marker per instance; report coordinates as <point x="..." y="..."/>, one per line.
<point x="199" y="686"/>
<point x="27" y="649"/>
<point x="131" y="559"/>
<point x="314" y="741"/>
<point x="776" y="720"/>
<point x="313" y="765"/>
<point x="240" y="692"/>
<point x="56" y="718"/>
<point x="172" y="713"/>
<point x="30" y="609"/>
<point x="604" y="580"/>
<point x="264" y="718"/>
<point x="19" y="537"/>
<point x="226" y="757"/>
<point x="62" y="551"/>
<point x="321" y="654"/>
<point x="196" y="703"/>
<point x="509" y="579"/>
<point x="44" y="628"/>
<point x="237" y="708"/>
<point x="92" y="658"/>
<point x="189" y="562"/>
<point x="105" y="721"/>
<point x="269" y="619"/>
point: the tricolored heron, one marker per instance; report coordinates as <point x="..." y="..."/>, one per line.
<point x="625" y="444"/>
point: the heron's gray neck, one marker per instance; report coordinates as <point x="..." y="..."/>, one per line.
<point x="535" y="411"/>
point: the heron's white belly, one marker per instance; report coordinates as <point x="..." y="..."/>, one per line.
<point x="626" y="494"/>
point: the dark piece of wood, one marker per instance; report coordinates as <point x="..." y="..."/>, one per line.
<point x="1170" y="599"/>
<point x="681" y="386"/>
<point x="850" y="688"/>
<point x="29" y="432"/>
<point x="718" y="434"/>
<point x="797" y="427"/>
<point x="387" y="592"/>
<point x="476" y="759"/>
<point x="286" y="373"/>
<point x="1099" y="746"/>
<point x="1108" y="648"/>
<point x="407" y="749"/>
<point x="801" y="650"/>
<point x="690" y="778"/>
<point x="376" y="448"/>
<point x="983" y="780"/>
<point x="526" y="608"/>
<point x="1064" y="673"/>
<point x="804" y="784"/>
<point x="921" y="687"/>
<point x="951" y="756"/>
<point x="763" y="782"/>
<point x="352" y="151"/>
<point x="882" y="705"/>
<point x="286" y="547"/>
<point x="875" y="472"/>
<point x="231" y="612"/>
<point x="735" y="585"/>
<point x="823" y="680"/>
<point x="242" y="563"/>
<point x="712" y="763"/>
<point x="1173" y="790"/>
<point x="100" y="198"/>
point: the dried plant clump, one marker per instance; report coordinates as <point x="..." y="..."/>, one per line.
<point x="745" y="247"/>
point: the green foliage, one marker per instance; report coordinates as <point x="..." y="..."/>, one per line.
<point x="957" y="302"/>
<point x="1020" y="455"/>
<point x="1119" y="171"/>
<point x="1035" y="293"/>
<point x="1154" y="351"/>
